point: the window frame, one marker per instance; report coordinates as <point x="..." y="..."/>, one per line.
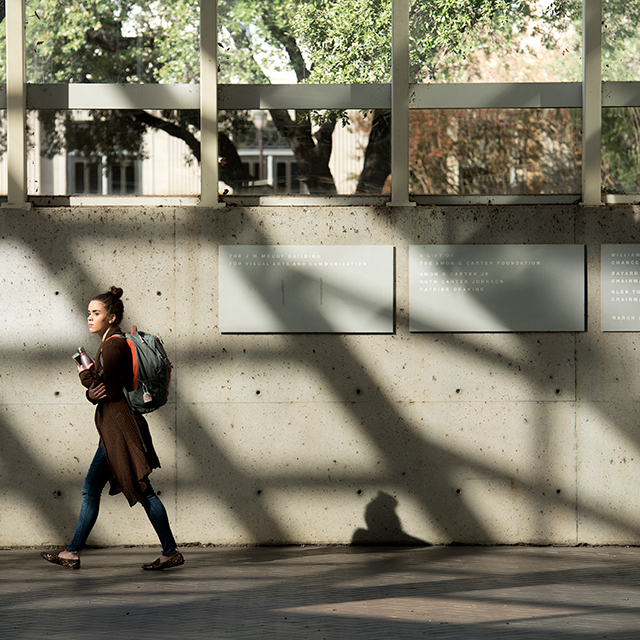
<point x="590" y="95"/>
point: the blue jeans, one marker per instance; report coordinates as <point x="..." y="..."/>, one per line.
<point x="96" y="480"/>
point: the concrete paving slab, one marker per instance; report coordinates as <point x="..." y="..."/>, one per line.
<point x="326" y="593"/>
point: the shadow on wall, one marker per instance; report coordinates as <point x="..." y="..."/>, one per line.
<point x="383" y="524"/>
<point x="407" y="444"/>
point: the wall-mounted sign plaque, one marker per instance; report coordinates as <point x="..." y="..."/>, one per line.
<point x="495" y="288"/>
<point x="620" y="287"/>
<point x="306" y="289"/>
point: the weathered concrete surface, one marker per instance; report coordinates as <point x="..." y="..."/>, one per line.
<point x="337" y="593"/>
<point x="317" y="438"/>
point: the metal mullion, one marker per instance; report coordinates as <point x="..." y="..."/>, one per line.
<point x="16" y="107"/>
<point x="209" y="104"/>
<point x="591" y="102"/>
<point x="400" y="105"/>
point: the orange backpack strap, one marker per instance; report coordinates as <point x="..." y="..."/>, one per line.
<point x="134" y="355"/>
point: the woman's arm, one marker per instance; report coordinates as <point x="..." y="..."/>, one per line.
<point x="88" y="376"/>
<point x="95" y="389"/>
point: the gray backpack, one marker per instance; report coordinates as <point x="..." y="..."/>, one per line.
<point x="151" y="371"/>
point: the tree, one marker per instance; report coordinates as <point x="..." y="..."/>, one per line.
<point x="145" y="41"/>
<point x="620" y="126"/>
<point x="315" y="41"/>
<point x="495" y="151"/>
<point x="503" y="151"/>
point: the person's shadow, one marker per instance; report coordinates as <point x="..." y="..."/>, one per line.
<point x="383" y="525"/>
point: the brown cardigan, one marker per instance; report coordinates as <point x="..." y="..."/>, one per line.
<point x="119" y="434"/>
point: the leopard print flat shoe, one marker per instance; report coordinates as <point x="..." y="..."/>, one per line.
<point x="63" y="562"/>
<point x="174" y="561"/>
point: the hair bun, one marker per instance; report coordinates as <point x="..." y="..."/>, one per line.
<point x="116" y="292"/>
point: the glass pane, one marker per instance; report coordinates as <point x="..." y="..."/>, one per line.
<point x="495" y="151"/>
<point x="112" y="153"/>
<point x="299" y="152"/>
<point x="620" y="40"/>
<point x="498" y="41"/>
<point x="621" y="150"/>
<point x="112" y="41"/>
<point x="329" y="42"/>
<point x="115" y="179"/>
<point x="3" y="68"/>
<point x="3" y="153"/>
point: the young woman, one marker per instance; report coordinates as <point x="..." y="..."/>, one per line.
<point x="125" y="455"/>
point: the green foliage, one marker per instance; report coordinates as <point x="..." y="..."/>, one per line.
<point x="522" y="41"/>
<point x="76" y="42"/>
<point x="256" y="41"/>
<point x="621" y="43"/>
<point x="112" y="41"/>
<point x="621" y="150"/>
<point x="348" y="41"/>
<point x="319" y="41"/>
<point x="345" y="41"/>
<point x="620" y="126"/>
<point x="445" y="28"/>
<point x="3" y="67"/>
<point x="177" y="41"/>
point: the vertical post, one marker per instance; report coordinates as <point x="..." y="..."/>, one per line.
<point x="16" y="107"/>
<point x="591" y="102"/>
<point x="400" y="105"/>
<point x="209" y="104"/>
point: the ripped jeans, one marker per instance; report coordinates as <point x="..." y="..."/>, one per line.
<point x="96" y="480"/>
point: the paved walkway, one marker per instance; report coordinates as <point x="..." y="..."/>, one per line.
<point x="326" y="592"/>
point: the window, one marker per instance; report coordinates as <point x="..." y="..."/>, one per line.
<point x="516" y="64"/>
<point x="102" y="176"/>
<point x="495" y="151"/>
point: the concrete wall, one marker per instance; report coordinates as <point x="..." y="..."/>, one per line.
<point x="473" y="438"/>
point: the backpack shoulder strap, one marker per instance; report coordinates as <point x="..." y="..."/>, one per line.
<point x="134" y="356"/>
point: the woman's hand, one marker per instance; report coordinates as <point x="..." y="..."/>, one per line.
<point x="82" y="368"/>
<point x="97" y="392"/>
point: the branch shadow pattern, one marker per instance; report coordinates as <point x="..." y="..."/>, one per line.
<point x="384" y="425"/>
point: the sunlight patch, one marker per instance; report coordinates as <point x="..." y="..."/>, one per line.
<point x="441" y="610"/>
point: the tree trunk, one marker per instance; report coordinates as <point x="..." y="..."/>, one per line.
<point x="377" y="158"/>
<point x="231" y="169"/>
<point x="312" y="151"/>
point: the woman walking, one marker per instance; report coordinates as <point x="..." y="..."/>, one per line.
<point x="125" y="455"/>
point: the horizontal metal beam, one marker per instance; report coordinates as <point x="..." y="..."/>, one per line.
<point x="507" y="95"/>
<point x="305" y="96"/>
<point x="113" y="96"/>
<point x="159" y="96"/>
<point x="532" y="95"/>
<point x="621" y="94"/>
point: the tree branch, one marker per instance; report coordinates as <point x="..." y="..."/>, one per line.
<point x="290" y="44"/>
<point x="169" y="127"/>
